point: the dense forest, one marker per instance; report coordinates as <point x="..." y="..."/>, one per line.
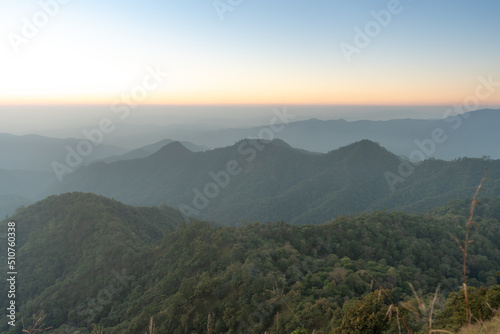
<point x="94" y="264"/>
<point x="260" y="180"/>
<point x="270" y="180"/>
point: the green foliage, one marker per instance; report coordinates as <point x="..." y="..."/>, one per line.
<point x="282" y="183"/>
<point x="365" y="315"/>
<point x="483" y="303"/>
<point x="71" y="249"/>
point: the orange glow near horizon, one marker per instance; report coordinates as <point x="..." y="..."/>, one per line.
<point x="282" y="90"/>
<point x="186" y="56"/>
<point x="373" y="98"/>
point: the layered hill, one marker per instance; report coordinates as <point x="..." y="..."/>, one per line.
<point x="472" y="134"/>
<point x="27" y="175"/>
<point x="85" y="259"/>
<point x="72" y="244"/>
<point x="267" y="181"/>
<point x="147" y="150"/>
<point x="468" y="134"/>
<point x="27" y="171"/>
<point x="20" y="188"/>
<point x="37" y="153"/>
<point x="26" y="165"/>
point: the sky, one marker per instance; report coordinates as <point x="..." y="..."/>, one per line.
<point x="406" y="53"/>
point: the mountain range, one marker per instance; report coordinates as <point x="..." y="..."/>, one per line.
<point x="148" y="150"/>
<point x="269" y="179"/>
<point x="472" y="134"/>
<point x="87" y="261"/>
<point x="256" y="180"/>
<point x="27" y="164"/>
<point x="260" y="235"/>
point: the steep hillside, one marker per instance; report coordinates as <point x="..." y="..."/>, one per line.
<point x="268" y="181"/>
<point x="153" y="148"/>
<point x="85" y="260"/>
<point x="77" y="243"/>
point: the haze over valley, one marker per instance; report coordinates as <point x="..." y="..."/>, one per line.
<point x="249" y="167"/>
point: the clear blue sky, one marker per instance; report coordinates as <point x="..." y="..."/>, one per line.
<point x="263" y="52"/>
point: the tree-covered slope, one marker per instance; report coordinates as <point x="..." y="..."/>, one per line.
<point x="268" y="181"/>
<point x="68" y="245"/>
<point x="86" y="259"/>
<point x="147" y="150"/>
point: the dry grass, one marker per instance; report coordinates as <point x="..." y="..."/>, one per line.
<point x="96" y="329"/>
<point x="37" y="326"/>
<point x="152" y="326"/>
<point x="464" y="245"/>
<point x="489" y="327"/>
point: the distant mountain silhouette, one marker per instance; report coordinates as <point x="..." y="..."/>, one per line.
<point x="267" y="181"/>
<point x="471" y="135"/>
<point x="18" y="188"/>
<point x="33" y="152"/>
<point x="150" y="149"/>
<point x="26" y="169"/>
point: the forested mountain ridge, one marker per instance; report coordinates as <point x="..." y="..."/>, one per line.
<point x="31" y="154"/>
<point x="273" y="181"/>
<point x="64" y="242"/>
<point x="471" y="134"/>
<point x="86" y="259"/>
<point x="147" y="150"/>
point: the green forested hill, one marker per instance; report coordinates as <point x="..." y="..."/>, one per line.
<point x="67" y="245"/>
<point x="86" y="259"/>
<point x="272" y="181"/>
<point x="147" y="150"/>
